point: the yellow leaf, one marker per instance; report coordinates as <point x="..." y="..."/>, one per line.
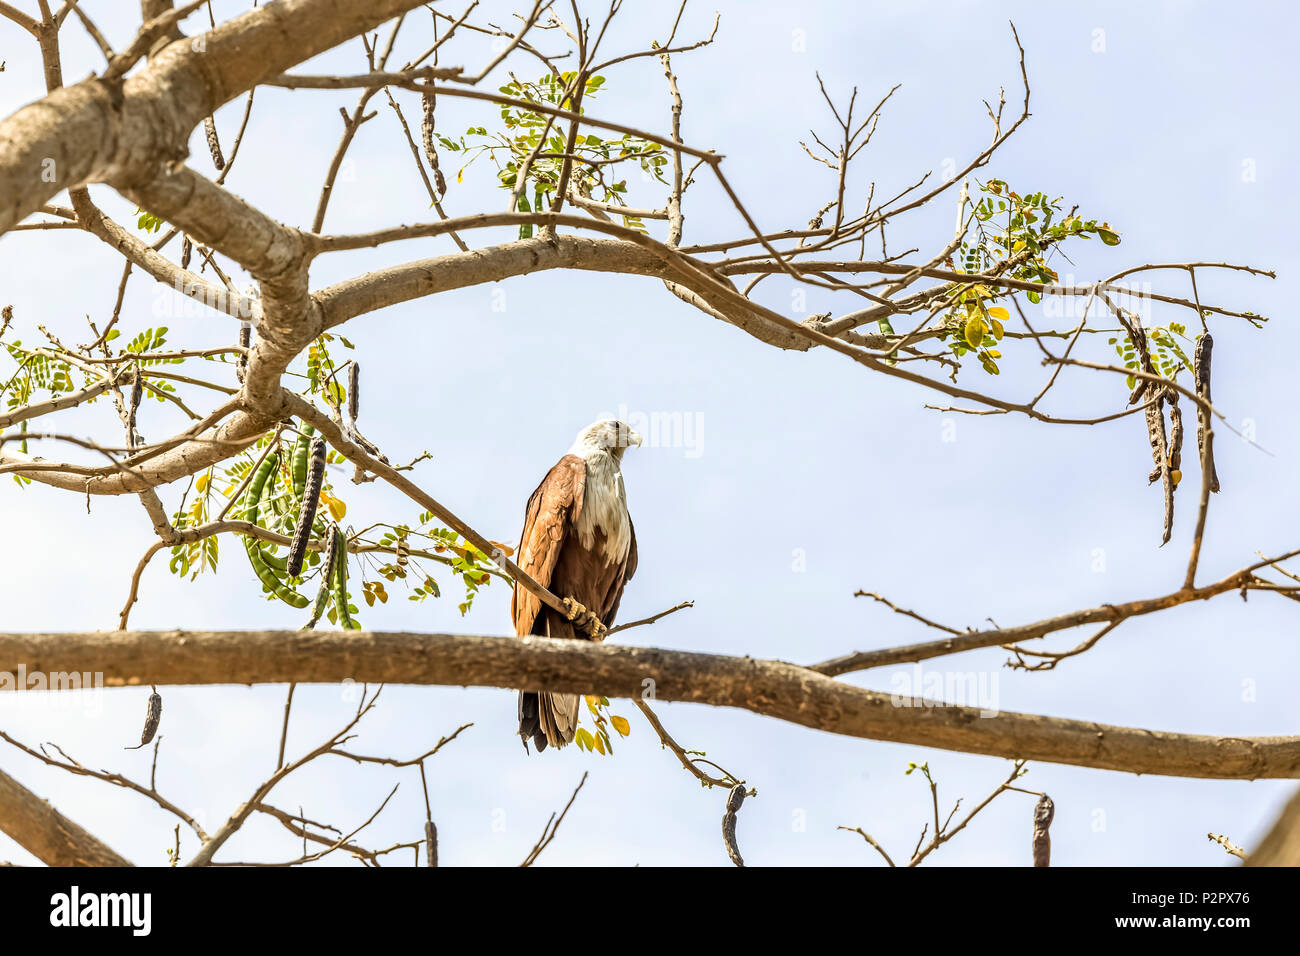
<point x="460" y="176"/>
<point x="593" y="704"/>
<point x="336" y="507"/>
<point x="1176" y="476"/>
<point x="620" y="724"/>
<point x="599" y="744"/>
<point x="202" y="484"/>
<point x="1000" y="313"/>
<point x="974" y="333"/>
<point x="998" y="330"/>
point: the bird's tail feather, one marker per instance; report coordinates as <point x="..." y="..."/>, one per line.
<point x="546" y="718"/>
<point x="559" y="717"/>
<point x="530" y="727"/>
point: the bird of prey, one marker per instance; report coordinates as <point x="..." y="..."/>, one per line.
<point x="579" y="544"/>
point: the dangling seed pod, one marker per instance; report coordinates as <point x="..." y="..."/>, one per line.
<point x="259" y="559"/>
<point x="214" y="144"/>
<point x="187" y="249"/>
<point x="245" y="339"/>
<point x="368" y="446"/>
<point x="1044" y="810"/>
<point x="428" y="101"/>
<point x="137" y="393"/>
<point x="298" y="466"/>
<point x="326" y="578"/>
<point x="1138" y="336"/>
<point x="403" y="550"/>
<point x="1160" y="455"/>
<point x="1175" y="437"/>
<point x="307" y="509"/>
<point x="354" y="397"/>
<point x="1204" y="437"/>
<point x="152" y="717"/>
<point x="734" y="799"/>
<point x="430" y="844"/>
<point x="253" y="498"/>
<point x="341" y="585"/>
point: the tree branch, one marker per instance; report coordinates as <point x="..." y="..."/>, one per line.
<point x="773" y="688"/>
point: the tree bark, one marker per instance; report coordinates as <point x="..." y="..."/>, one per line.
<point x="774" y="688"/>
<point x="46" y="833"/>
<point x="130" y="130"/>
<point x="1281" y="847"/>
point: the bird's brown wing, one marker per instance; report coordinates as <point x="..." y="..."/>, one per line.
<point x="551" y="512"/>
<point x="620" y="579"/>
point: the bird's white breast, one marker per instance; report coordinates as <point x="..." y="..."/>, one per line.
<point x="604" y="507"/>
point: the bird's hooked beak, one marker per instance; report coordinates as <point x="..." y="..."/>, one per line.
<point x="633" y="438"/>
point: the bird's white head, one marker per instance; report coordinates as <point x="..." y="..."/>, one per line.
<point x="609" y="436"/>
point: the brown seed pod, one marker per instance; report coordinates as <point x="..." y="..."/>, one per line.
<point x="367" y="445"/>
<point x="214" y="144"/>
<point x="1044" y="810"/>
<point x="1204" y="437"/>
<point x="354" y="397"/>
<point x="152" y="717"/>
<point x="1138" y="336"/>
<point x="428" y="101"/>
<point x="187" y="249"/>
<point x="734" y="799"/>
<point x="326" y="576"/>
<point x="307" y="510"/>
<point x="245" y="340"/>
<point x="1175" y="431"/>
<point x="1160" y="455"/>
<point x="137" y="393"/>
<point x="430" y="844"/>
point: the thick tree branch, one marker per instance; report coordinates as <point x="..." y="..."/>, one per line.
<point x="127" y="130"/>
<point x="46" y="833"/>
<point x="773" y="688"/>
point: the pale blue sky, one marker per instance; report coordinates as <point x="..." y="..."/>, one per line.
<point x="801" y="453"/>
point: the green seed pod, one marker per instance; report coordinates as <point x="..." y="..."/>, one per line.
<point x="277" y="563"/>
<point x="274" y="506"/>
<point x="307" y="509"/>
<point x="341" y="584"/>
<point x="253" y="499"/>
<point x="326" y="581"/>
<point x="300" y="449"/>
<point x="268" y="578"/>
